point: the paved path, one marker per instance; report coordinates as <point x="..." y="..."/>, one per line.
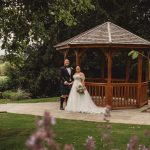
<point x="130" y="116"/>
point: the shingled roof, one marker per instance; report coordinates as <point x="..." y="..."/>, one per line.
<point x="106" y="35"/>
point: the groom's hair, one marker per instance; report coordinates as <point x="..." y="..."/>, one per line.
<point x="66" y="59"/>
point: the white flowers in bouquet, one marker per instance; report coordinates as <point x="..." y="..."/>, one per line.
<point x="80" y="89"/>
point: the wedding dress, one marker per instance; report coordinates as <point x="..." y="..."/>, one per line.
<point x="81" y="102"/>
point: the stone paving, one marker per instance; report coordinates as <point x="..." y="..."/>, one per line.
<point x="127" y="116"/>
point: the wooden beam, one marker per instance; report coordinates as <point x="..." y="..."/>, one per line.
<point x="140" y="59"/>
<point x="109" y="75"/>
<point x="103" y="45"/>
<point x="77" y="53"/>
<point x="147" y="67"/>
<point x="109" y="32"/>
<point x="81" y="52"/>
<point x="66" y="53"/>
<point x="109" y="58"/>
<point x="140" y="62"/>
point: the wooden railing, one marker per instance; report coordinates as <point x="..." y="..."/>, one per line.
<point x="100" y="80"/>
<point x="97" y="92"/>
<point x="97" y="80"/>
<point x="143" y="94"/>
<point x="124" y="95"/>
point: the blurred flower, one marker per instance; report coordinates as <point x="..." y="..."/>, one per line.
<point x="40" y="123"/>
<point x="133" y="143"/>
<point x="107" y="113"/>
<point x="53" y="121"/>
<point x="147" y="133"/>
<point x="90" y="143"/>
<point x="43" y="135"/>
<point x="105" y="136"/>
<point x="109" y="126"/>
<point x="142" y="147"/>
<point x="68" y="147"/>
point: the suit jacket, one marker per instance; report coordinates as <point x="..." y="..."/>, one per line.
<point x="64" y="75"/>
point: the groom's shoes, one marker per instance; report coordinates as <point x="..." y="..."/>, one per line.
<point x="61" y="103"/>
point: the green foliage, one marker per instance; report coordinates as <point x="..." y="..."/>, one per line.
<point x="19" y="94"/>
<point x="3" y="68"/>
<point x="7" y="94"/>
<point x="134" y="54"/>
<point x="25" y="24"/>
<point x="4" y="83"/>
<point x="16" y="95"/>
<point x="28" y="32"/>
<point x="30" y="29"/>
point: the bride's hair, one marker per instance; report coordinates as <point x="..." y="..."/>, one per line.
<point x="78" y="67"/>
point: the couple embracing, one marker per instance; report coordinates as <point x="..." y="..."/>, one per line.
<point x="74" y="92"/>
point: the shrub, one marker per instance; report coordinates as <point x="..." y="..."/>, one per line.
<point x="16" y="95"/>
<point x="4" y="68"/>
<point x="20" y="94"/>
<point x="4" y="83"/>
<point x="7" y="94"/>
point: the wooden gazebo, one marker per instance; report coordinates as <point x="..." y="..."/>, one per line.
<point x="110" y="39"/>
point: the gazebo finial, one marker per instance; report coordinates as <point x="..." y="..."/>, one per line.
<point x="108" y="18"/>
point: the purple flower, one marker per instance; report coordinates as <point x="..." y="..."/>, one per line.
<point x="90" y="143"/>
<point x="43" y="135"/>
<point x="68" y="147"/>
<point x="40" y="123"/>
<point x="147" y="133"/>
<point x="133" y="143"/>
<point x="107" y="113"/>
<point x="53" y="121"/>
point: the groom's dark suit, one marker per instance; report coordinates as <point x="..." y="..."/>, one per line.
<point x="66" y="76"/>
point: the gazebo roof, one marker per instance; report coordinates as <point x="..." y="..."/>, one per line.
<point x="105" y="35"/>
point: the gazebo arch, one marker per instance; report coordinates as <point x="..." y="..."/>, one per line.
<point x="109" y="39"/>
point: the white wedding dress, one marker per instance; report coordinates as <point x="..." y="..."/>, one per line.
<point x="81" y="102"/>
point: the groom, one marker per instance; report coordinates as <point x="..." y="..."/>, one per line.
<point x="66" y="79"/>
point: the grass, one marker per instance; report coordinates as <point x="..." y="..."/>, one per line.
<point x="15" y="129"/>
<point x="37" y="100"/>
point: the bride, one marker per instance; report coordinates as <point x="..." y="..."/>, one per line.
<point x="81" y="102"/>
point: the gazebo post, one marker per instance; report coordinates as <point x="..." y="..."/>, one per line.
<point x="128" y="69"/>
<point x="109" y="87"/>
<point x="147" y="68"/>
<point x="140" y="59"/>
<point x="77" y="53"/>
<point x="65" y="53"/>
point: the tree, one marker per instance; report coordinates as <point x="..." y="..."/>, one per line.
<point x="29" y="29"/>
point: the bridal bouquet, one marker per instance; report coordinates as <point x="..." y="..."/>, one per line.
<point x="80" y="89"/>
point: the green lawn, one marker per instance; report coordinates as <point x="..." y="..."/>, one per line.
<point x="15" y="129"/>
<point x="37" y="100"/>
